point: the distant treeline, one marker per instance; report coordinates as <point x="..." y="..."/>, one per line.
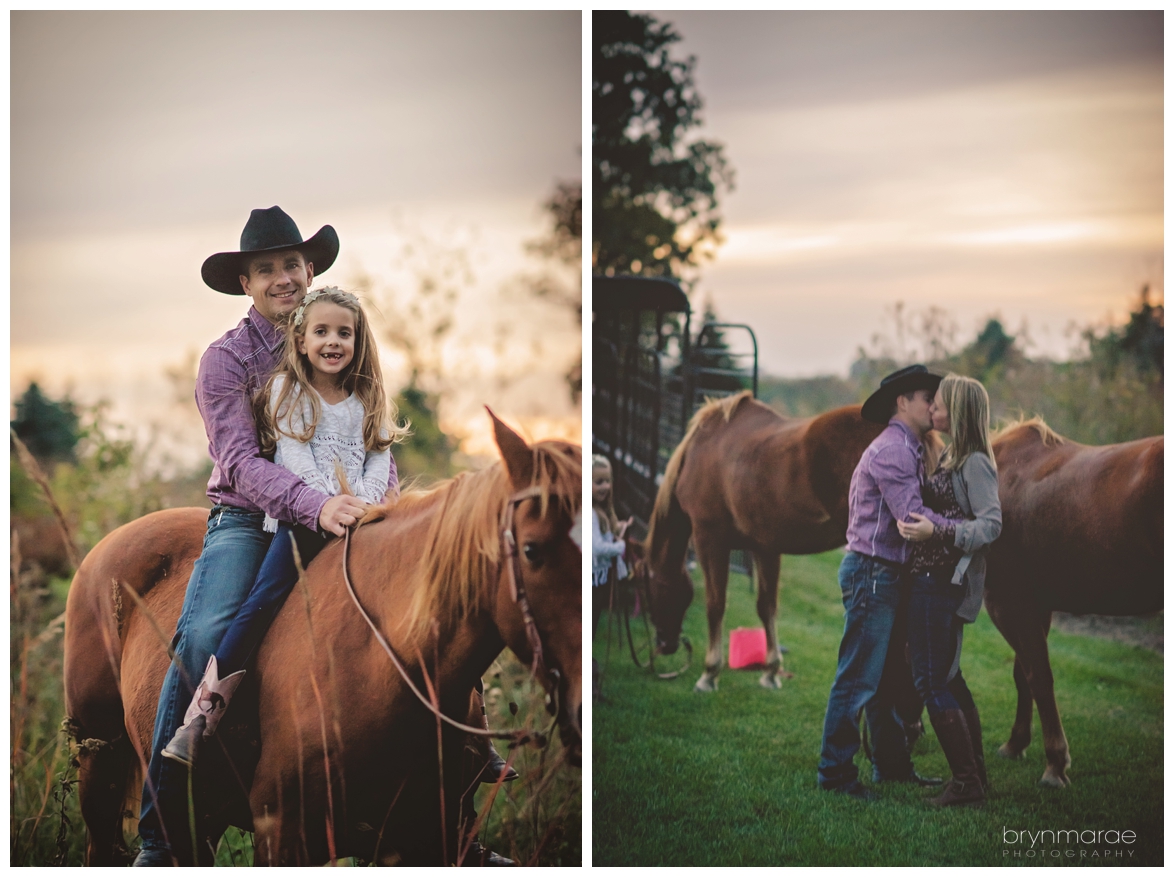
<point x="1111" y="392"/>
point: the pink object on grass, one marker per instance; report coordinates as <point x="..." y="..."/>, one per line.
<point x="747" y="647"/>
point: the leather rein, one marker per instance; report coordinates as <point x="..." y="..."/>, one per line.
<point x="509" y="556"/>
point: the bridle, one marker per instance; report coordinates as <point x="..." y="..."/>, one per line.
<point x="509" y="545"/>
<point x="508" y="556"/>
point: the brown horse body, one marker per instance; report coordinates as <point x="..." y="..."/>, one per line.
<point x="348" y="759"/>
<point x="746" y="477"/>
<point x="1082" y="533"/>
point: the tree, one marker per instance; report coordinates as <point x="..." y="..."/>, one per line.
<point x="655" y="189"/>
<point x="711" y="355"/>
<point x="1141" y="341"/>
<point x="428" y="451"/>
<point x="993" y="349"/>
<point x="48" y="428"/>
<point x="564" y="244"/>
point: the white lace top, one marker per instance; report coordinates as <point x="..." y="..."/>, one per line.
<point x="605" y="548"/>
<point x="337" y="445"/>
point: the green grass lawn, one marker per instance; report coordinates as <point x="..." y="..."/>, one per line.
<point x="680" y="778"/>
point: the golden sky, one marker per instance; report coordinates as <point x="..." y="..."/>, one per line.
<point x="140" y="141"/>
<point x="991" y="164"/>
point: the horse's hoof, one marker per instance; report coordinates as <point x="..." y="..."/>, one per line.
<point x="770" y="680"/>
<point x="1009" y="751"/>
<point x="1054" y="779"/>
<point x="706" y="683"/>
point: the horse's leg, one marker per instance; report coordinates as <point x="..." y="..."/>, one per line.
<point x="1038" y="669"/>
<point x="768" y="605"/>
<point x="1021" y="730"/>
<point x="103" y="770"/>
<point x="287" y="828"/>
<point x="1013" y="622"/>
<point x="713" y="553"/>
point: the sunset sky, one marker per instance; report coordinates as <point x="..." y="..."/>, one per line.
<point x="141" y="141"/>
<point x="996" y="163"/>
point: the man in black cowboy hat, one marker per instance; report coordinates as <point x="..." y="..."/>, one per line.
<point x="885" y="488"/>
<point x="274" y="267"/>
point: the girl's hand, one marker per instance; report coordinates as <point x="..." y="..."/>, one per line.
<point x="623" y="528"/>
<point x="918" y="531"/>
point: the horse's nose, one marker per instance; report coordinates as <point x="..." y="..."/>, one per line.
<point x="666" y="648"/>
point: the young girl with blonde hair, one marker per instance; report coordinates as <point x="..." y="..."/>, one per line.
<point x="607" y="537"/>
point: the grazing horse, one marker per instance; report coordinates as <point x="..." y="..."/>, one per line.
<point x="350" y="762"/>
<point x="1082" y="533"/>
<point x="744" y="476"/>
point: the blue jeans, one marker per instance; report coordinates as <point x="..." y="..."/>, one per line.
<point x="275" y="580"/>
<point x="872" y="594"/>
<point x="935" y="638"/>
<point x="234" y="546"/>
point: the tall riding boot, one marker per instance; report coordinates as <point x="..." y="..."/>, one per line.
<point x="975" y="729"/>
<point x="494" y="765"/>
<point x="965" y="786"/>
<point x="209" y="702"/>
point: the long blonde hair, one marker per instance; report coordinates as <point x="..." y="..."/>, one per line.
<point x="363" y="377"/>
<point x="969" y="408"/>
<point x="608" y="522"/>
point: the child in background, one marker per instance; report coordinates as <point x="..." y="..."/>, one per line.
<point x="607" y="538"/>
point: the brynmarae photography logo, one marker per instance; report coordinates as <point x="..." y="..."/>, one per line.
<point x="1112" y="846"/>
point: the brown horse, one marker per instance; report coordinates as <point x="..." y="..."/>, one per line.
<point x="350" y="763"/>
<point x="1082" y="533"/>
<point x="744" y="476"/>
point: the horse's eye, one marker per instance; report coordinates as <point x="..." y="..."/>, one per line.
<point x="533" y="552"/>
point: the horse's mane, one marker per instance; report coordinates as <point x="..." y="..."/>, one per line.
<point x="724" y="407"/>
<point x="1047" y="435"/>
<point x="462" y="547"/>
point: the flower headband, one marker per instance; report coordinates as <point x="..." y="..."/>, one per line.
<point x="313" y="296"/>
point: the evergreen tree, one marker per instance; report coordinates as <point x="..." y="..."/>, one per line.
<point x="48" y="428"/>
<point x="428" y="450"/>
<point x="711" y="354"/>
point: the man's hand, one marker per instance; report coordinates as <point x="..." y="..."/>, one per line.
<point x="340" y="512"/>
<point x="918" y="531"/>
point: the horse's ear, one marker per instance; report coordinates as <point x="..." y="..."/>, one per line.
<point x="515" y="453"/>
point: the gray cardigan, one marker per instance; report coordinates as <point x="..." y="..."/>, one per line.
<point x="976" y="487"/>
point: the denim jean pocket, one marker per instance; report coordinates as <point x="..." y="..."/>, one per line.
<point x="226" y="516"/>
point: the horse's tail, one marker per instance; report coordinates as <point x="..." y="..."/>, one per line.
<point x="105" y="602"/>
<point x="669" y="527"/>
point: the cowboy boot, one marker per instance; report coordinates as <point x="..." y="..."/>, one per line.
<point x="965" y="786"/>
<point x="975" y="728"/>
<point x="482" y="856"/>
<point x="209" y="702"/>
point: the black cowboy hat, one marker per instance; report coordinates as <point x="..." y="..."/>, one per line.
<point x="268" y="231"/>
<point x="879" y="406"/>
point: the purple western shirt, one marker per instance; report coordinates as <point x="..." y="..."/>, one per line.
<point x="886" y="488"/>
<point x="232" y="371"/>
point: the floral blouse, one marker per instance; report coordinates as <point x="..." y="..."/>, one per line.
<point x="938" y="550"/>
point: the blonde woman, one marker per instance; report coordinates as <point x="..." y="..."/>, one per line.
<point x="948" y="569"/>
